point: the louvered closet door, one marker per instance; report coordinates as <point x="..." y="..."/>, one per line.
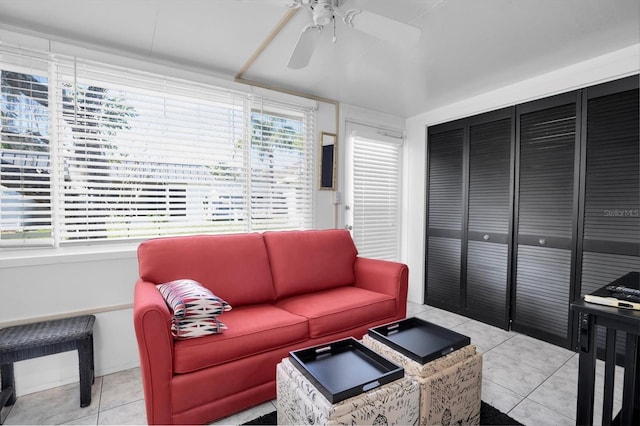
<point x="545" y="217"/>
<point x="610" y="242"/>
<point x="489" y="218"/>
<point x="444" y="216"/>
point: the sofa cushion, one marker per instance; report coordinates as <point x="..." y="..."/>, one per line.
<point x="309" y="261"/>
<point x="250" y="331"/>
<point x="234" y="267"/>
<point x="339" y="309"/>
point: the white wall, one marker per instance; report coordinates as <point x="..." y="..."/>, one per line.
<point x="47" y="285"/>
<point x="325" y="211"/>
<point x="604" y="68"/>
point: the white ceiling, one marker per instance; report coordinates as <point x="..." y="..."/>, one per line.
<point x="467" y="46"/>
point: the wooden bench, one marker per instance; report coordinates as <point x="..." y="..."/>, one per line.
<point x="28" y="341"/>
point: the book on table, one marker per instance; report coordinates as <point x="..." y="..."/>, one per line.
<point x="621" y="293"/>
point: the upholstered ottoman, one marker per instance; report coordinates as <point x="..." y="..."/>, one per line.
<point x="450" y="386"/>
<point x="300" y="403"/>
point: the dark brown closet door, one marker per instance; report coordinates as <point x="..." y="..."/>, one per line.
<point x="609" y="246"/>
<point x="444" y="215"/>
<point x="546" y="210"/>
<point x="611" y="213"/>
<point x="488" y="239"/>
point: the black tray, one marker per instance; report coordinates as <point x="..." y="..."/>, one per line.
<point x="345" y="368"/>
<point x="420" y="340"/>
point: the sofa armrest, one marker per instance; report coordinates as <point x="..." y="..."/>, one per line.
<point x="152" y="323"/>
<point x="386" y="277"/>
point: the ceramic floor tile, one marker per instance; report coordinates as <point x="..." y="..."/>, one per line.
<point x="569" y="372"/>
<point x="484" y="336"/>
<point x="519" y="378"/>
<point x="88" y="420"/>
<point x="531" y="413"/>
<point x="534" y="353"/>
<point x="441" y="317"/>
<point x="54" y="406"/>
<point x="245" y="416"/>
<point x="499" y="397"/>
<point x="127" y="414"/>
<point x="557" y="394"/>
<point x="414" y="308"/>
<point x="121" y="388"/>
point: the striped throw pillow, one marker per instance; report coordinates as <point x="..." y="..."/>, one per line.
<point x="190" y="299"/>
<point x="196" y="327"/>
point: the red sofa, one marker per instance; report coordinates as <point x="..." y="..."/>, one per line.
<point x="288" y="290"/>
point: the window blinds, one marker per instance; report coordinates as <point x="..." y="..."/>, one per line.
<point x="25" y="160"/>
<point x="376" y="197"/>
<point x="137" y="155"/>
<point x="281" y="167"/>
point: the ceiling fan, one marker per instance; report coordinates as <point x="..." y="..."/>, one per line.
<point x="325" y="12"/>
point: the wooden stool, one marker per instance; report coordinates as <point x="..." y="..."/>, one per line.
<point x="28" y="341"/>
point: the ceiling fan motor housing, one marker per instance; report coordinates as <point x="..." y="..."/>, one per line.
<point x="323" y="12"/>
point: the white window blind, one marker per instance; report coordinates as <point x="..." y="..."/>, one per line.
<point x="147" y="157"/>
<point x="281" y="167"/>
<point x="137" y="155"/>
<point x="25" y="166"/>
<point x="376" y="197"/>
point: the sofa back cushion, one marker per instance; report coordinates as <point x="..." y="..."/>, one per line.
<point x="234" y="267"/>
<point x="308" y="261"/>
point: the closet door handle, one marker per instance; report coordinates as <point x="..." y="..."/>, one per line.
<point x="486" y="237"/>
<point x="542" y="242"/>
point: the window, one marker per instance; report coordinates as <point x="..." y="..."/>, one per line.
<point x="280" y="171"/>
<point x="25" y="161"/>
<point x="374" y="192"/>
<point x="94" y="153"/>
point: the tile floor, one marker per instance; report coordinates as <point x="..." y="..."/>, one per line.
<point x="533" y="381"/>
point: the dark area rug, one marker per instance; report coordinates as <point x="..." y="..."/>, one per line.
<point x="488" y="416"/>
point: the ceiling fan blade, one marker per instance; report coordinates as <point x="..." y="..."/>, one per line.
<point x="304" y="48"/>
<point x="382" y="27"/>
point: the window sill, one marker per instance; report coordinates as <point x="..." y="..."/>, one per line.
<point x="13" y="258"/>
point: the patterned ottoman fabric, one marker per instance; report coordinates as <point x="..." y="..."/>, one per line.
<point x="300" y="403"/>
<point x="450" y="386"/>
